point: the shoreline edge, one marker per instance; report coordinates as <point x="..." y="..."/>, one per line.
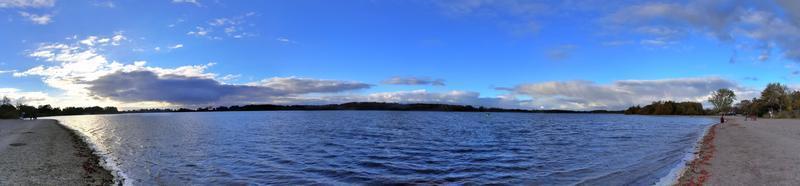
<point x="693" y="173"/>
<point x="97" y="161"/>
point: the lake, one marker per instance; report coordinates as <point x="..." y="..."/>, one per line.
<point x="387" y="147"/>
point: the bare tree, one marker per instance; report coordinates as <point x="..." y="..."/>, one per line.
<point x="6" y="101"/>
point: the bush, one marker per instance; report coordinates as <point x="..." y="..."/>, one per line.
<point x="668" y="108"/>
<point x="8" y="112"/>
<point x="787" y="114"/>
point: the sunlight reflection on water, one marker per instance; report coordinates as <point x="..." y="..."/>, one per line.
<point x="379" y="147"/>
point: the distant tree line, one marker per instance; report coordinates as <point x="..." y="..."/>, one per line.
<point x="777" y="99"/>
<point x="721" y="99"/>
<point x="364" y="106"/>
<point x="9" y="111"/>
<point x="668" y="108"/>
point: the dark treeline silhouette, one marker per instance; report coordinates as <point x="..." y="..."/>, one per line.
<point x="363" y="106"/>
<point x="9" y="111"/>
<point x="668" y="108"/>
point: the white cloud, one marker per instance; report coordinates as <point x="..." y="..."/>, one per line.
<point x="657" y="43"/>
<point x="42" y="19"/>
<point x="91" y="41"/>
<point x="26" y="3"/>
<point x="199" y="31"/>
<point x="285" y="40"/>
<point x="194" y="2"/>
<point x="28" y="98"/>
<point x="107" y="4"/>
<point x="423" y="96"/>
<point x="177" y="46"/>
<point x="117" y="38"/>
<point x="230" y="77"/>
<point x="233" y="27"/>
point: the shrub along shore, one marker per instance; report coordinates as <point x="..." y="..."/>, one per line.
<point x="775" y="101"/>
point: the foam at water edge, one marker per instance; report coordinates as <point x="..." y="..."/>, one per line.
<point x="677" y="171"/>
<point x="105" y="161"/>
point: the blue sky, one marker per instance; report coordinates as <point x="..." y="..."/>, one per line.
<point x="516" y="54"/>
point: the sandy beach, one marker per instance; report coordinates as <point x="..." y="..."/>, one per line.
<point x="738" y="152"/>
<point x="42" y="152"/>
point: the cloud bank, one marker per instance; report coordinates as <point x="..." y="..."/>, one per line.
<point x="19" y="96"/>
<point x="764" y="26"/>
<point x="586" y="95"/>
<point x="87" y="77"/>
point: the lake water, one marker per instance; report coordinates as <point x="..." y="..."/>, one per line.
<point x="384" y="147"/>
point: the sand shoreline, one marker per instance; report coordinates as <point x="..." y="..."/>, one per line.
<point x="44" y="152"/>
<point x="694" y="173"/>
<point x="678" y="172"/>
<point x="738" y="152"/>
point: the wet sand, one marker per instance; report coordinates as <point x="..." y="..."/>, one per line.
<point x="42" y="152"/>
<point x="738" y="152"/>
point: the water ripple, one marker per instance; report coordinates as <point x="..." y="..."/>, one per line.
<point x="380" y="148"/>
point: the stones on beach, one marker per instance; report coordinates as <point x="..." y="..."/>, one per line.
<point x="17" y="144"/>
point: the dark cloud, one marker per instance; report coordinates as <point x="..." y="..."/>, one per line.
<point x="139" y="86"/>
<point x="413" y="81"/>
<point x="294" y="85"/>
<point x="147" y="86"/>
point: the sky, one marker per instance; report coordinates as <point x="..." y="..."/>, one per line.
<point x="571" y="54"/>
